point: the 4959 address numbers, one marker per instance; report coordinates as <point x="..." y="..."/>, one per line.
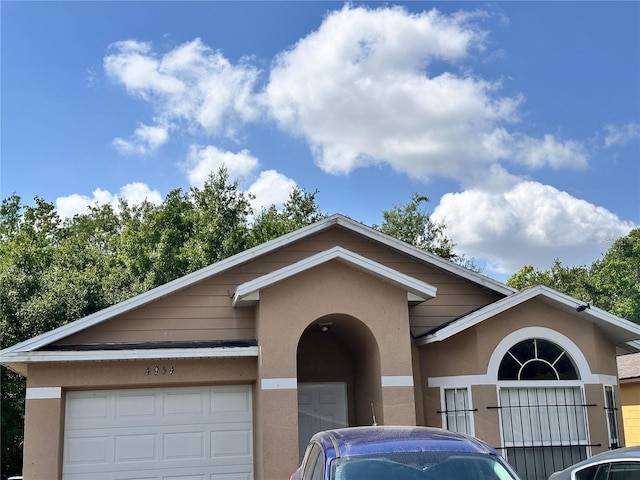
<point x="159" y="370"/>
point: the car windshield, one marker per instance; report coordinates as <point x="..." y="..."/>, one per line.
<point x="420" y="466"/>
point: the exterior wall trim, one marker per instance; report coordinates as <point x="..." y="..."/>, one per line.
<point x="491" y="377"/>
<point x="397" y="380"/>
<point x="43" y="393"/>
<point x="133" y="354"/>
<point x="279" y="383"/>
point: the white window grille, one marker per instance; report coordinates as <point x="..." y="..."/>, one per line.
<point x="457" y="411"/>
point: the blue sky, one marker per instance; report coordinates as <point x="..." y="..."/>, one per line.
<point x="519" y="120"/>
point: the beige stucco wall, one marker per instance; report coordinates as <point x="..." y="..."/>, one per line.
<point x="346" y="295"/>
<point x="469" y="352"/>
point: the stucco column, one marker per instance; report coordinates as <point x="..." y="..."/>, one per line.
<point x="396" y="365"/>
<point x="43" y="433"/>
<point x="398" y="400"/>
<point x="277" y="398"/>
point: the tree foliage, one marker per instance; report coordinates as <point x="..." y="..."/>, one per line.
<point x="411" y="224"/>
<point x="611" y="283"/>
<point x="53" y="271"/>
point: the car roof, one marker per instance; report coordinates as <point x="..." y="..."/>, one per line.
<point x="615" y="454"/>
<point x="383" y="439"/>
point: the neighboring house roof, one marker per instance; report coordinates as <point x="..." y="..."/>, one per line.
<point x="622" y="333"/>
<point x="629" y="366"/>
<point x="327" y="223"/>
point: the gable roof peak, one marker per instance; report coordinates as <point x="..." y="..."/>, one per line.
<point x="331" y="221"/>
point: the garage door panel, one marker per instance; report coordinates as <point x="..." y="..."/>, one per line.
<point x="184" y="445"/>
<point x="136" y="404"/>
<point x="185" y="404"/>
<point x="136" y="448"/>
<point x="88" y="450"/>
<point x="231" y="446"/>
<point x="180" y="473"/>
<point x="159" y="434"/>
<point x="88" y="406"/>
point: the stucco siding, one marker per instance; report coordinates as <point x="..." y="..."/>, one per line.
<point x="203" y="312"/>
<point x="467" y="356"/>
<point x="473" y="347"/>
<point x="124" y="374"/>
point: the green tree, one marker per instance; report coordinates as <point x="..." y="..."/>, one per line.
<point x="611" y="283"/>
<point x="615" y="279"/>
<point x="299" y="210"/>
<point x="220" y="223"/>
<point x="26" y="253"/>
<point x="412" y="224"/>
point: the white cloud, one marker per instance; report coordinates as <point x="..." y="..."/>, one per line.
<point x="191" y="86"/>
<point x="374" y="86"/>
<point x="134" y="193"/>
<point x="619" y="135"/>
<point x="385" y="86"/>
<point x="145" y="139"/>
<point x="367" y="96"/>
<point x="202" y="161"/>
<point x="529" y="223"/>
<point x="271" y="188"/>
<point x="369" y="86"/>
<point x="548" y="151"/>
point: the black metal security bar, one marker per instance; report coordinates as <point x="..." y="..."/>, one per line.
<point x="543" y="429"/>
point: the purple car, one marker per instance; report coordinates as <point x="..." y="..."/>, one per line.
<point x="400" y="453"/>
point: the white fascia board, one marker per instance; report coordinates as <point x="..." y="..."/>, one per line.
<point x="246" y="292"/>
<point x="601" y="318"/>
<point x="424" y="256"/>
<point x="89" y="321"/>
<point x="130" y="354"/>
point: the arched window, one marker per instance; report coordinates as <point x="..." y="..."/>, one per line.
<point x="542" y="407"/>
<point x="537" y="359"/>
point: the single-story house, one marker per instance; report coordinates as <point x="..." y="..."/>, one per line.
<point x="225" y="373"/>
<point x="629" y="377"/>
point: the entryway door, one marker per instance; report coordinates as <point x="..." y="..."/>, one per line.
<point x="321" y="406"/>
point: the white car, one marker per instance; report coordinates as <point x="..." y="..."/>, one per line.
<point x="618" y="464"/>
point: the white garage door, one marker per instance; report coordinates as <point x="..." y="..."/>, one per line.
<point x="192" y="433"/>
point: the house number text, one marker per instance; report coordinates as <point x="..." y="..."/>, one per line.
<point x="159" y="370"/>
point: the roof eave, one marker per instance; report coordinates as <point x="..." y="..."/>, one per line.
<point x="18" y="361"/>
<point x="627" y="333"/>
<point x="248" y="293"/>
<point x="244" y="257"/>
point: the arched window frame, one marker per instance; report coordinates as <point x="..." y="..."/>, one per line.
<point x="579" y="360"/>
<point x="511" y="440"/>
<point x="552" y="365"/>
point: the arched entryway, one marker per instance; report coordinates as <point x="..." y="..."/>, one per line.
<point x="338" y="372"/>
